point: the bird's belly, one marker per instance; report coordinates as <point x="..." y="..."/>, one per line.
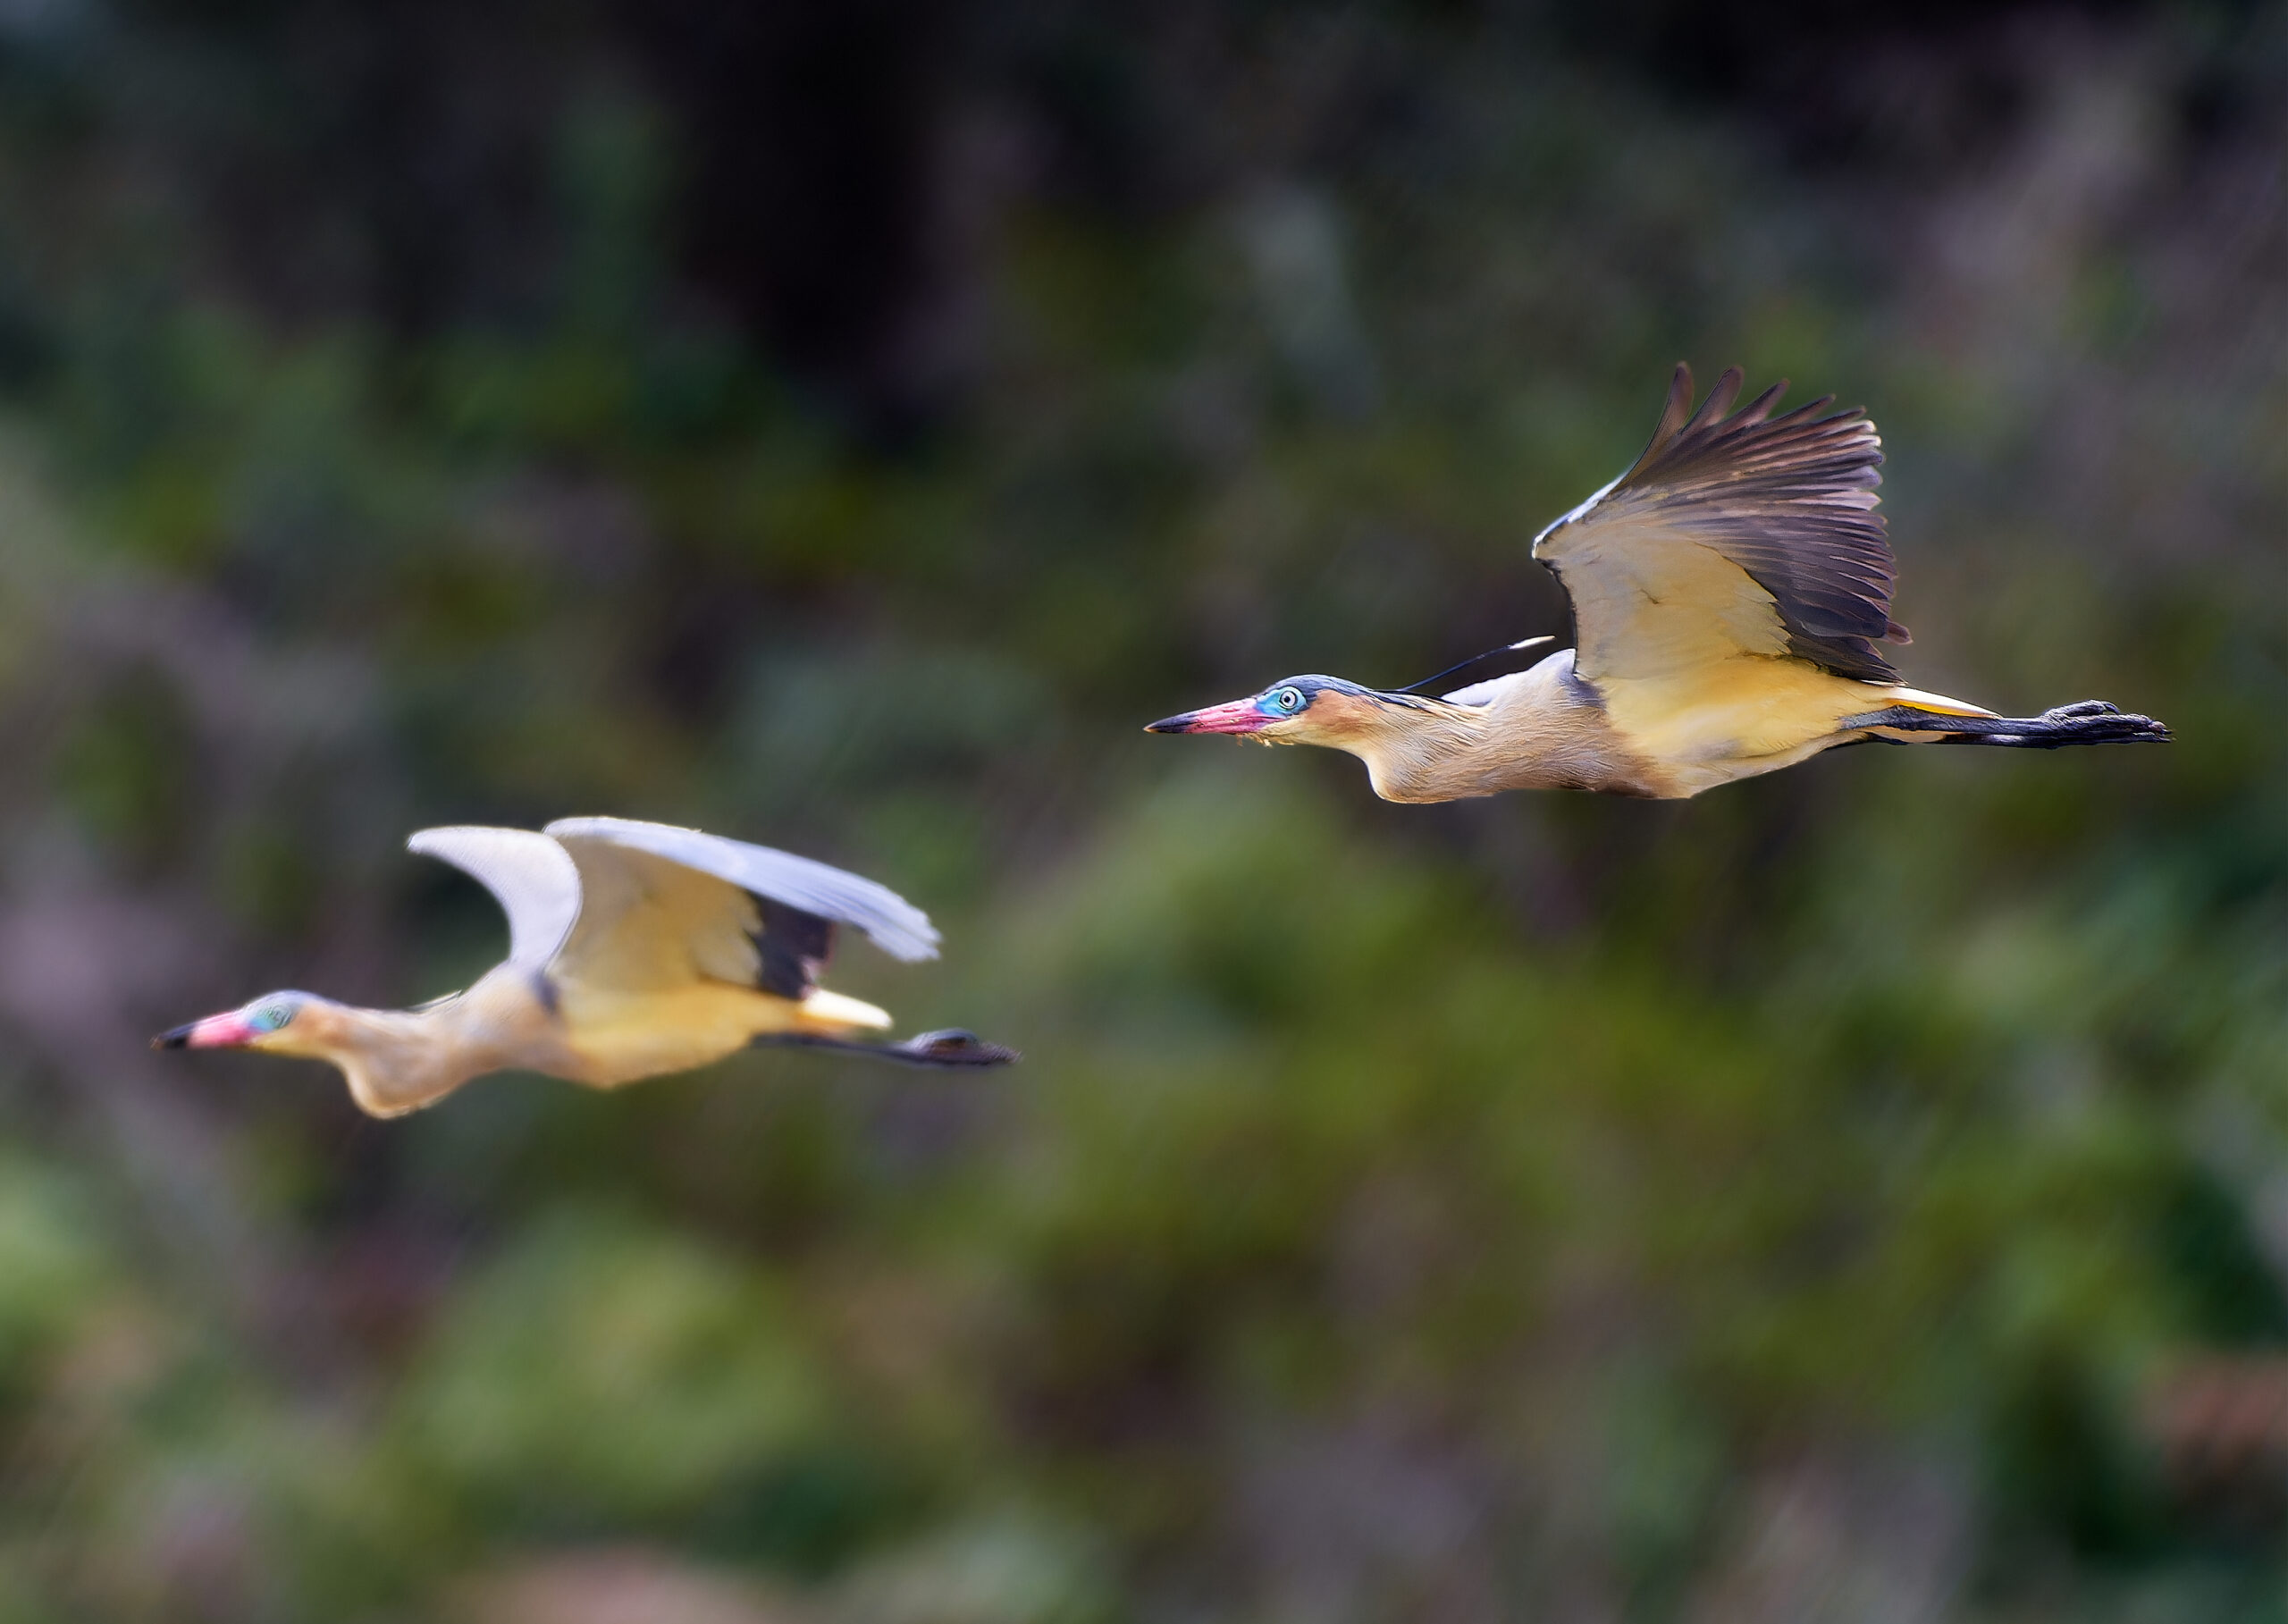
<point x="612" y="1038"/>
<point x="1744" y="716"/>
<point x="620" y="1038"/>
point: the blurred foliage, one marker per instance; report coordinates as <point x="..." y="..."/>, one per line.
<point x="843" y="427"/>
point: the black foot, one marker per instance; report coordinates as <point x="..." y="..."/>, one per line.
<point x="951" y="1047"/>
<point x="955" y="1047"/>
<point x="2090" y="721"/>
<point x="2093" y="721"/>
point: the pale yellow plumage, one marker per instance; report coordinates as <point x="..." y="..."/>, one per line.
<point x="1730" y="592"/>
<point x="636" y="949"/>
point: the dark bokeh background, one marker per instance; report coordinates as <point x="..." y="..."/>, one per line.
<point x="1859" y="1195"/>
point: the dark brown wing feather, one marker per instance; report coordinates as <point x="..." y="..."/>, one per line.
<point x="792" y="947"/>
<point x="1790" y="499"/>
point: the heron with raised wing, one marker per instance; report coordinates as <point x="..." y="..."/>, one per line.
<point x="1729" y="594"/>
<point x="634" y="950"/>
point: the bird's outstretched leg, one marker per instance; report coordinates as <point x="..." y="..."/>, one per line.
<point x="2092" y="721"/>
<point x="951" y="1047"/>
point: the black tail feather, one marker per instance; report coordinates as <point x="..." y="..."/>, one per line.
<point x="952" y="1047"/>
<point x="2092" y="721"/>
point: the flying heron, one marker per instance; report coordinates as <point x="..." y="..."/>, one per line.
<point x="1729" y="593"/>
<point x="634" y="949"/>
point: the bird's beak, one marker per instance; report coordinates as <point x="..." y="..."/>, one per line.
<point x="1241" y="716"/>
<point x="216" y="1031"/>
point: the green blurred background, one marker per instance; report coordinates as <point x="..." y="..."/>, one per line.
<point x="1861" y="1194"/>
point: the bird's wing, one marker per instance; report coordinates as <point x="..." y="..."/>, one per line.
<point x="653" y="925"/>
<point x="667" y="905"/>
<point x="531" y="876"/>
<point x="1746" y="534"/>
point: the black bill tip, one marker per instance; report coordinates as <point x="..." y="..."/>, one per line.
<point x="174" y="1037"/>
<point x="1171" y="724"/>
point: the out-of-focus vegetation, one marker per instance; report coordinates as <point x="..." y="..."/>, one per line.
<point x="1861" y="1194"/>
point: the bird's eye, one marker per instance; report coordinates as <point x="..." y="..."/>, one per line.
<point x="1290" y="699"/>
<point x="270" y="1017"/>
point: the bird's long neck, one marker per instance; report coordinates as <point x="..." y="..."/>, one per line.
<point x="396" y="1060"/>
<point x="1413" y="749"/>
<point x="1540" y="728"/>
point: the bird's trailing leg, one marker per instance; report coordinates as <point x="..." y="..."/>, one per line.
<point x="952" y="1047"/>
<point x="2092" y="721"/>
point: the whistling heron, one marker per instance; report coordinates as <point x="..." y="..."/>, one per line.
<point x="634" y="949"/>
<point x="1728" y="592"/>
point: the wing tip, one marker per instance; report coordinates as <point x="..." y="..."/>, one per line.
<point x="912" y="942"/>
<point x="423" y="842"/>
<point x="438" y="841"/>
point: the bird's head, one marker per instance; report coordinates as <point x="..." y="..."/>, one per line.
<point x="392" y="1063"/>
<point x="1303" y="710"/>
<point x="278" y="1022"/>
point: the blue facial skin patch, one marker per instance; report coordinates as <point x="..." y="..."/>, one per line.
<point x="1294" y="696"/>
<point x="270" y="1017"/>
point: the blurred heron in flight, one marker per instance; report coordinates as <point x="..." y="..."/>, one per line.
<point x="634" y="949"/>
<point x="1729" y="593"/>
